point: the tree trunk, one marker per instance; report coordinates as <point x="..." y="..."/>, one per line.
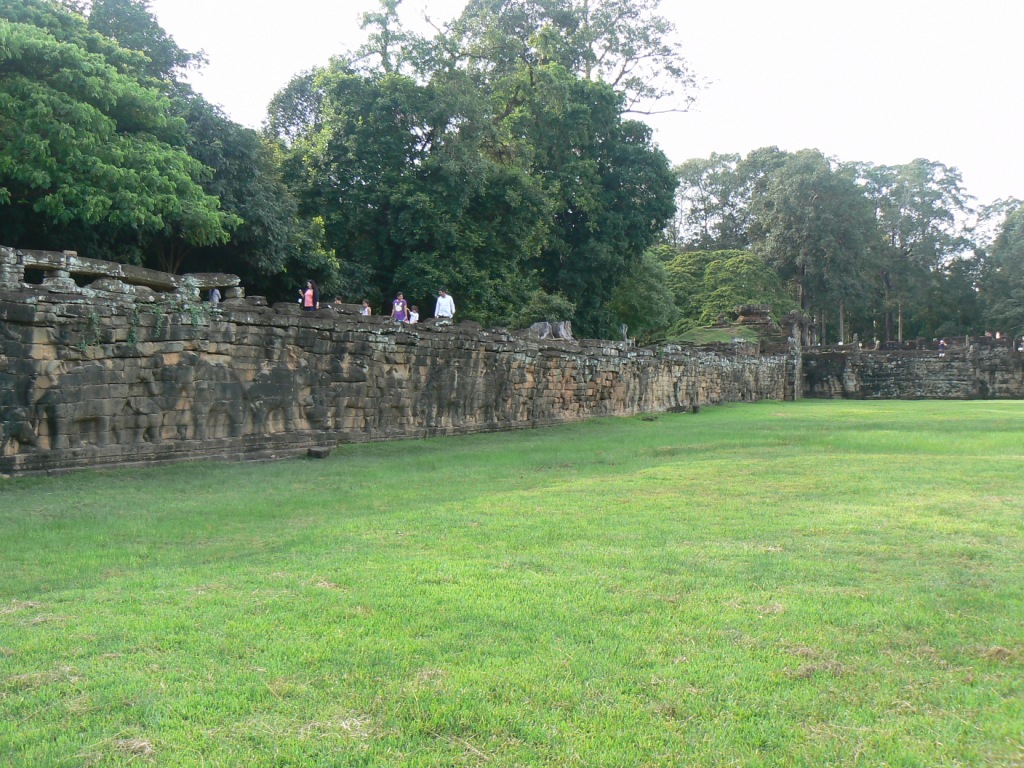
<point x="842" y="321"/>
<point x="899" y="316"/>
<point x="805" y="307"/>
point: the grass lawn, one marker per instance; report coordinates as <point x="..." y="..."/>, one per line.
<point x="779" y="584"/>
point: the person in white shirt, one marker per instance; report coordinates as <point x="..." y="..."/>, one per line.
<point x="445" y="308"/>
<point x="414" y="315"/>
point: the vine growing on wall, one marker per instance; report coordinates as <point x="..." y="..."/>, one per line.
<point x="162" y="309"/>
<point x="91" y="333"/>
<point x="198" y="314"/>
<point x="133" y="325"/>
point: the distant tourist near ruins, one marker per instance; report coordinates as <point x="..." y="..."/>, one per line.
<point x="108" y="364"/>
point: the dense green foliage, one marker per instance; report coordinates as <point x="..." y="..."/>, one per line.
<point x="483" y="160"/>
<point x="812" y="583"/>
<point x="644" y="302"/>
<point x="497" y="158"/>
<point x="708" y="285"/>
<point x="108" y="152"/>
<point x="92" y="155"/>
<point x="824" y="250"/>
<point x="272" y="247"/>
<point x="494" y="158"/>
<point x="889" y="252"/>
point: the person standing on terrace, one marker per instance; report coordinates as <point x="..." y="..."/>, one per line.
<point x="445" y="307"/>
<point x="310" y="297"/>
<point x="399" y="309"/>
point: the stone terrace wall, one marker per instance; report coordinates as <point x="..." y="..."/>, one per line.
<point x="977" y="370"/>
<point x="101" y="376"/>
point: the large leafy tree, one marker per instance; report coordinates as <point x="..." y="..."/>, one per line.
<point x="953" y="304"/>
<point x="92" y="156"/>
<point x="609" y="189"/>
<point x="484" y="159"/>
<point x="133" y="26"/>
<point x="817" y="229"/>
<point x="710" y="211"/>
<point x="272" y="248"/>
<point x="1003" y="282"/>
<point x="560" y="76"/>
<point x="917" y="277"/>
<point x="923" y="212"/>
<point x="714" y="199"/>
<point x="625" y="44"/>
<point x="643" y="301"/>
<point x="410" y="198"/>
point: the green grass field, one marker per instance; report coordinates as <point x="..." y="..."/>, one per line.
<point x="779" y="584"/>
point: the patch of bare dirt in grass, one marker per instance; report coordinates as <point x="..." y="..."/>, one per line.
<point x="774" y="608"/>
<point x="80" y="705"/>
<point x="430" y="675"/>
<point x="477" y="755"/>
<point x="903" y="707"/>
<point x="802" y="651"/>
<point x="931" y="654"/>
<point x="325" y="584"/>
<point x="807" y="671"/>
<point x="135" y="747"/>
<point x="43" y="618"/>
<point x="31" y="680"/>
<point x="358" y="727"/>
<point x="286" y="687"/>
<point x="669" y="710"/>
<point x="18" y="605"/>
<point x="89" y="759"/>
<point x="202" y="589"/>
<point x="999" y="653"/>
<point x="740" y="639"/>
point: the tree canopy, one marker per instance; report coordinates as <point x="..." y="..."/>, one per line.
<point x="489" y="159"/>
<point x="1003" y="281"/>
<point x="92" y="155"/>
<point x="886" y="252"/>
<point x="816" y="228"/>
<point x="495" y="157"/>
<point x="707" y="285"/>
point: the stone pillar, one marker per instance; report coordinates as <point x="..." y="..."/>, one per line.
<point x="12" y="270"/>
<point x="60" y="280"/>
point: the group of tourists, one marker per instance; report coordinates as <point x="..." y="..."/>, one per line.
<point x="401" y="311"/>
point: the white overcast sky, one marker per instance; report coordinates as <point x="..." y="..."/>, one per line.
<point x="883" y="81"/>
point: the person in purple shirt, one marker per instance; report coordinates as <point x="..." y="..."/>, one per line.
<point x="399" y="309"/>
